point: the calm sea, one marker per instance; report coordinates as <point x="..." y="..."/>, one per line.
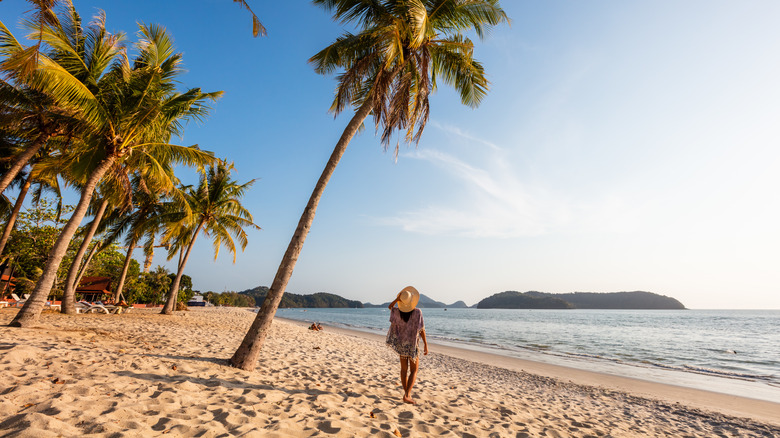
<point x="730" y="351"/>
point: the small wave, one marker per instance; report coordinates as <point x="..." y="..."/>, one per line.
<point x="726" y="374"/>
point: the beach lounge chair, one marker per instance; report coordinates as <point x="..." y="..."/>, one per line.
<point x="18" y="301"/>
<point x="85" y="307"/>
<point x="99" y="308"/>
<point x="82" y="307"/>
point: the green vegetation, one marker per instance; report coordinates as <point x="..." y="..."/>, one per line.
<point x="616" y="300"/>
<point x="232" y="299"/>
<point x="213" y="208"/>
<point x="517" y="300"/>
<point x="76" y="111"/>
<point x="579" y="300"/>
<point x="427" y="303"/>
<point x="320" y="299"/>
<point x="32" y="239"/>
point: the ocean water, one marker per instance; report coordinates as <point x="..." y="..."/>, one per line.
<point x="729" y="351"/>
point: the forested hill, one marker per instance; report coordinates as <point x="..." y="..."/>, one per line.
<point x="426" y="303"/>
<point x="617" y="300"/>
<point x="320" y="299"/>
<point x="579" y="300"/>
<point x="517" y="300"/>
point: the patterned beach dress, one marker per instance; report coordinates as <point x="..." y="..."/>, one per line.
<point x="405" y="328"/>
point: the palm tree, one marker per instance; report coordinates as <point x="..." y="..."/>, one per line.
<point x="215" y="209"/>
<point x="43" y="181"/>
<point x="23" y="180"/>
<point x="123" y="190"/>
<point x="69" y="294"/>
<point x="32" y="119"/>
<point x="20" y="64"/>
<point x="41" y="176"/>
<point x="144" y="221"/>
<point x="133" y="110"/>
<point x="23" y="109"/>
<point x="390" y="68"/>
<point x="39" y="100"/>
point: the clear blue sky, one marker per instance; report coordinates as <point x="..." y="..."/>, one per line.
<point x="623" y="146"/>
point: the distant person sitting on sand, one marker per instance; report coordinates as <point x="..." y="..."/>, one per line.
<point x="313" y="326"/>
<point x="406" y="324"/>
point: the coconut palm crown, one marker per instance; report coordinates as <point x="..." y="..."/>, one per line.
<point x="402" y="50"/>
<point x="214" y="208"/>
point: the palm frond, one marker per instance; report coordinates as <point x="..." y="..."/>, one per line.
<point x="257" y="26"/>
<point x="452" y="61"/>
<point x="401" y="49"/>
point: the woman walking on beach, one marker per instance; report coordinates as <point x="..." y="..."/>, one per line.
<point x="406" y="324"/>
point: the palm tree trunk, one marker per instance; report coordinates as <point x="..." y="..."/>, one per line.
<point x="9" y="226"/>
<point x="170" y="305"/>
<point x="31" y="310"/>
<point x="126" y="266"/>
<point x="22" y="160"/>
<point x="69" y="296"/>
<point x="248" y="352"/>
<point x="148" y="260"/>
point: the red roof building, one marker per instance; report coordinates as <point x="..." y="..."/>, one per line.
<point x="94" y="289"/>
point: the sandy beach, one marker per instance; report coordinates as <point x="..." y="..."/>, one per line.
<point x="142" y="374"/>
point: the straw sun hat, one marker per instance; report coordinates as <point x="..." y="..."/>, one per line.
<point x="408" y="298"/>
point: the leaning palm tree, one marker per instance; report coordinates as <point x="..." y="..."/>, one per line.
<point x="38" y="177"/>
<point x="33" y="120"/>
<point x="390" y="68"/>
<point x="114" y="195"/>
<point x="22" y="179"/>
<point x="34" y="85"/>
<point x="69" y="292"/>
<point x="214" y="209"/>
<point x="133" y="110"/>
<point x="43" y="181"/>
<point x="144" y="222"/>
<point x="136" y="178"/>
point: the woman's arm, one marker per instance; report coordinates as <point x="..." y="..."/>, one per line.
<point x="425" y="342"/>
<point x="393" y="303"/>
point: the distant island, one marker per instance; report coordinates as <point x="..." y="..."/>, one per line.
<point x="426" y="303"/>
<point x="317" y="300"/>
<point x="517" y="300"/>
<point x="504" y="300"/>
<point x="579" y="300"/>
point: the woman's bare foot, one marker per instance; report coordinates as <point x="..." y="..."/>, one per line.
<point x="409" y="400"/>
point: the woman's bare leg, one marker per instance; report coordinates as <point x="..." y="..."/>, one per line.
<point x="413" y="364"/>
<point x="404" y="367"/>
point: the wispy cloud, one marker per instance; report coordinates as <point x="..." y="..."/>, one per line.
<point x="493" y="203"/>
<point x="454" y="130"/>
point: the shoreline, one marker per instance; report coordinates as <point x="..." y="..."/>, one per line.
<point x="706" y="360"/>
<point x="145" y="374"/>
<point x="701" y="399"/>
